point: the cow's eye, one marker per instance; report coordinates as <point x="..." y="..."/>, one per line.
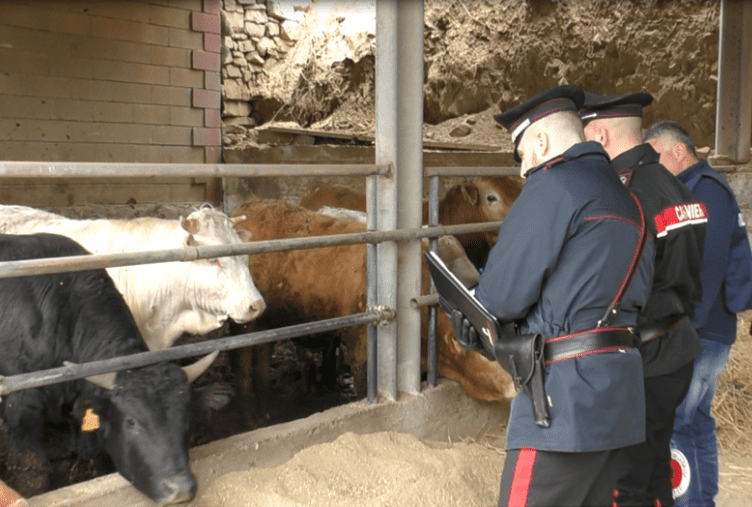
<point x="131" y="423"/>
<point x="492" y="199"/>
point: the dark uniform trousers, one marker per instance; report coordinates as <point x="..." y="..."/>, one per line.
<point x="651" y="459"/>
<point x="533" y="478"/>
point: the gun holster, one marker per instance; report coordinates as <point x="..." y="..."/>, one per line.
<point x="522" y="356"/>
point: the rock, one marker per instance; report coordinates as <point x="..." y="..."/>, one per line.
<point x="272" y="29"/>
<point x="273" y="11"/>
<point x="461" y="130"/>
<point x="265" y="44"/>
<point x="233" y="72"/>
<point x="254" y="29"/>
<point x="247" y="46"/>
<point x="235" y="90"/>
<point x="256" y="16"/>
<point x="236" y="108"/>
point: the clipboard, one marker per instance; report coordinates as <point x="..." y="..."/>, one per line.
<point x="453" y="295"/>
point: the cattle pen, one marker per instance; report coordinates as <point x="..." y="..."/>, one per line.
<point x="397" y="398"/>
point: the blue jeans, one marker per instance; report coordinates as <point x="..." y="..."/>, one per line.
<point x="694" y="427"/>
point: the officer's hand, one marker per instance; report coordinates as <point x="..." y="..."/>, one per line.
<point x="466" y="334"/>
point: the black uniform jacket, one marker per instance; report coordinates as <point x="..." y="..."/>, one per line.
<point x="678" y="222"/>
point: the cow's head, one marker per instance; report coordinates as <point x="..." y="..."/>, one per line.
<point x="223" y="287"/>
<point x="141" y="419"/>
<point x="496" y="194"/>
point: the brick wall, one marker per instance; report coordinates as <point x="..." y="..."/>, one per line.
<point x="125" y="81"/>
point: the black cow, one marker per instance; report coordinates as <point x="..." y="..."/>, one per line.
<point x="137" y="420"/>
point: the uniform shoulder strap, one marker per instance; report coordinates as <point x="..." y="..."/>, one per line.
<point x="613" y="308"/>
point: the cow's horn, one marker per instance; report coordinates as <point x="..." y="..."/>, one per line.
<point x="104" y="380"/>
<point x="195" y="370"/>
<point x="236" y="220"/>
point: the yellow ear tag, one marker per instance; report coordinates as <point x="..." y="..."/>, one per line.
<point x="90" y="422"/>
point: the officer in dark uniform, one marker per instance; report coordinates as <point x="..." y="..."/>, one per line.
<point x="726" y="290"/>
<point x="668" y="340"/>
<point x="562" y="267"/>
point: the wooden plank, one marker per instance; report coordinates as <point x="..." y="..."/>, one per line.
<point x="734" y="102"/>
<point x="282" y="134"/>
<point x="58" y="193"/>
<point x="326" y="154"/>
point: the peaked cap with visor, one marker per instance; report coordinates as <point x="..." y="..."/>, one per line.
<point x="601" y="107"/>
<point x="553" y="100"/>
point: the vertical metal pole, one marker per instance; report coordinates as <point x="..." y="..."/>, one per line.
<point x="387" y="51"/>
<point x="409" y="176"/>
<point x="733" y="125"/>
<point x="433" y="219"/>
<point x="372" y="294"/>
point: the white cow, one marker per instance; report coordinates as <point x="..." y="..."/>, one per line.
<point x="168" y="298"/>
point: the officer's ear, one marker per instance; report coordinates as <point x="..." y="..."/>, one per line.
<point x="595" y="131"/>
<point x="541" y="145"/>
<point x="679" y="152"/>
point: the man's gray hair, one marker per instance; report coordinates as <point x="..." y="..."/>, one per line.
<point x="673" y="130"/>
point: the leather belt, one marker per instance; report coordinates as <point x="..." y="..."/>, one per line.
<point x="586" y="343"/>
<point x="649" y="332"/>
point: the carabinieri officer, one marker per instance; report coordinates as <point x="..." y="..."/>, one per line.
<point x="568" y="264"/>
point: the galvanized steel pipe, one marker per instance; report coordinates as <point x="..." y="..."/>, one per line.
<point x="73" y="372"/>
<point x="131" y="170"/>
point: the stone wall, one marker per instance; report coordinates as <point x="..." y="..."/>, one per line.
<point x="256" y="37"/>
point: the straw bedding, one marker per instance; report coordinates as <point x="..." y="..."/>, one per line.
<point x="732" y="405"/>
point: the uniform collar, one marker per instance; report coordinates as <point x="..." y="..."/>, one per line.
<point x="576" y="151"/>
<point x="690" y="171"/>
<point x="642" y="154"/>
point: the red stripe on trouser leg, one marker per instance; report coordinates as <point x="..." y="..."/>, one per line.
<point x="523" y="476"/>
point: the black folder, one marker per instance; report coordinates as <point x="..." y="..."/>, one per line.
<point x="453" y="295"/>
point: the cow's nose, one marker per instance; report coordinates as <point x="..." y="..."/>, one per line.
<point x="178" y="489"/>
<point x="257" y="308"/>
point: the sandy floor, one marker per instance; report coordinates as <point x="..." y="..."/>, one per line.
<point x="397" y="470"/>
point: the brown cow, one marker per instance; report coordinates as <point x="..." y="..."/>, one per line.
<point x="486" y="200"/>
<point x="306" y="285"/>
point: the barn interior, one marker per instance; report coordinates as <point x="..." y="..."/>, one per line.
<point x="149" y="108"/>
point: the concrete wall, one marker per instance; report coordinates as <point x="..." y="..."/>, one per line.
<point x="126" y="81"/>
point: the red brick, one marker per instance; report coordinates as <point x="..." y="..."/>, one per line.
<point x="206" y="99"/>
<point x="201" y="22"/>
<point x="207" y="137"/>
<point x="212" y="118"/>
<point x="212" y="81"/>
<point x="213" y="155"/>
<point x="211" y="6"/>
<point x="205" y="61"/>
<point x="212" y="42"/>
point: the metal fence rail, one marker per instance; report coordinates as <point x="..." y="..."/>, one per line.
<point x="133" y="170"/>
<point x="30" y="267"/>
<point x="371" y="237"/>
<point x="73" y="372"/>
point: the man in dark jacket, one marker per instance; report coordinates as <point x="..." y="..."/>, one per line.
<point x="561" y="268"/>
<point x="727" y="289"/>
<point x="668" y="341"/>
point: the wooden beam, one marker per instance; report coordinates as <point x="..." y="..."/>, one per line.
<point x="287" y="134"/>
<point x="325" y="154"/>
<point x="733" y="129"/>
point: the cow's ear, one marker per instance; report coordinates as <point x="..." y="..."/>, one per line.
<point x="470" y="193"/>
<point x="244" y="235"/>
<point x="191" y="225"/>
